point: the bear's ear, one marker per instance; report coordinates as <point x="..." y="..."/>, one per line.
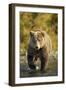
<point x="31" y="33"/>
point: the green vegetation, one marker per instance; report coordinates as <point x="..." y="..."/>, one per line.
<point x="33" y="21"/>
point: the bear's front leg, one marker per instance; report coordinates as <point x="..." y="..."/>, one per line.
<point x="31" y="63"/>
<point x="43" y="58"/>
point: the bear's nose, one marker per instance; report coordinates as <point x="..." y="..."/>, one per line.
<point x="36" y="47"/>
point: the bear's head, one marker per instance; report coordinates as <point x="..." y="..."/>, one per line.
<point x="37" y="39"/>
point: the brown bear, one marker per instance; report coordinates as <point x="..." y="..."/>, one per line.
<point x="40" y="47"/>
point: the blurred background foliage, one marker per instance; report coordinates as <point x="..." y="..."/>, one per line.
<point x="32" y="21"/>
